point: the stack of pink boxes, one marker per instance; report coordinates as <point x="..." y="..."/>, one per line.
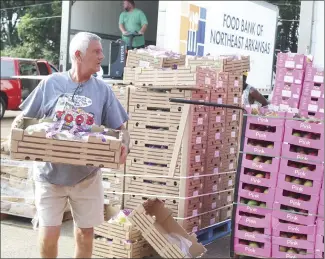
<point x="280" y="212"/>
<point x="298" y="189"/>
<point x="257" y="184"/>
<point x="312" y="99"/>
<point x="289" y="79"/>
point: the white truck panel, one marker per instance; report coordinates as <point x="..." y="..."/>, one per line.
<point x="182" y="26"/>
<point x="317" y="43"/>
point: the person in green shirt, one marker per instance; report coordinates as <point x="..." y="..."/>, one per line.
<point x="133" y="20"/>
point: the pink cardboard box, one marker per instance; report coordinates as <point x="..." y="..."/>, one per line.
<point x="253" y="251"/>
<point x="318" y="157"/>
<point x="285" y="102"/>
<point x="293" y="76"/>
<point x="273" y="167"/>
<point x="251" y="221"/>
<point x="276" y="253"/>
<point x="314" y="75"/>
<point x="319" y="244"/>
<point x="277" y="226"/>
<point x="312" y="104"/>
<point x="292" y="126"/>
<point x="288" y="90"/>
<point x="257" y="196"/>
<point x="296" y="243"/>
<point x="313" y="89"/>
<point x="291" y="60"/>
<point x="320" y="226"/>
<point x="292" y="217"/>
<point x="318" y="115"/>
<point x="267" y="182"/>
<point x="299" y="188"/>
<point x="254" y="210"/>
<point x="320" y="211"/>
<point x="310" y="206"/>
<point x="242" y="234"/>
<point x="305" y="172"/>
<point x="271" y="151"/>
<point x="321" y="198"/>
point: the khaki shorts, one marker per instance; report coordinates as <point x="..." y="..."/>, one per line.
<point x="86" y="200"/>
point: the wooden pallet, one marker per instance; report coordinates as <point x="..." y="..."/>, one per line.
<point x="155" y="222"/>
<point x="37" y="147"/>
<point x="141" y="58"/>
<point x="214" y="232"/>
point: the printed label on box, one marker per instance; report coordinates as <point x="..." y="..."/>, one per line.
<point x="295" y="96"/>
<point x="195" y="193"/>
<point x="216" y="153"/>
<point x="298" y="81"/>
<point x="207" y="81"/>
<point x="289" y="64"/>
<point x="286" y="93"/>
<point x="196" y="176"/>
<point x="143" y="63"/>
<point x="318" y="79"/>
<point x="212" y="221"/>
<point x="284" y="106"/>
<point x="312" y="107"/>
<point x="214" y="188"/>
<point x="228" y="198"/>
<point x="235" y="99"/>
<point x="236" y="83"/>
<point x="213" y="205"/>
<point x="230" y="183"/>
<point x="233" y="134"/>
<point x="197" y="158"/>
<point x="219" y="101"/>
<point x="288" y="79"/>
<point x="234" y="117"/>
<point x="315" y="93"/>
<point x="231" y="166"/>
<point x="200" y="121"/>
<point x="232" y="150"/>
<point x="218" y="118"/>
<point x="194" y="213"/>
<point x="106" y="184"/>
<point x="106" y="201"/>
<point x="228" y="213"/>
<point x="194" y="229"/>
<point x="217" y="135"/>
<point x="198" y="140"/>
<point x="215" y="170"/>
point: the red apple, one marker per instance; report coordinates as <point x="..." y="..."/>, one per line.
<point x="308" y="135"/>
<point x="257" y="189"/>
<point x="288" y="178"/>
<point x="249" y="156"/>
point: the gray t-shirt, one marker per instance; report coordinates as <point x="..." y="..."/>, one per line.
<point x="93" y="96"/>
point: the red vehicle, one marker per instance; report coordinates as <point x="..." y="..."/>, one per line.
<point x="15" y="82"/>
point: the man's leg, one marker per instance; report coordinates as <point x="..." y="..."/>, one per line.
<point x="87" y="204"/>
<point x="51" y="201"/>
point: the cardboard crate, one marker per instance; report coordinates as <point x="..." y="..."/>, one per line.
<point x="211" y="61"/>
<point x="155" y="223"/>
<point x="159" y="78"/>
<point x="144" y="58"/>
<point x="129" y="76"/>
<point x="219" y="182"/>
<point x="37" y="147"/>
<point x="236" y="64"/>
<point x="218" y="200"/>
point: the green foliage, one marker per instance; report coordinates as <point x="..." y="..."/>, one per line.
<point x="38" y="37"/>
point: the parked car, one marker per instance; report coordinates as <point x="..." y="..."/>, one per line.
<point x="15" y="84"/>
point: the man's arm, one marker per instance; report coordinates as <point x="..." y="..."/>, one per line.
<point x="125" y="137"/>
<point x="121" y="24"/>
<point x="122" y="29"/>
<point x="259" y="97"/>
<point x="144" y="23"/>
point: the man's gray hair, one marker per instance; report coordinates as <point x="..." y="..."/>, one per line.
<point x="81" y="42"/>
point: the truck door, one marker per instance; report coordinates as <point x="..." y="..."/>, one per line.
<point x="28" y="68"/>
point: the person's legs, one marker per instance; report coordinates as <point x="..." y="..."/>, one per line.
<point x="87" y="204"/>
<point x="51" y="201"/>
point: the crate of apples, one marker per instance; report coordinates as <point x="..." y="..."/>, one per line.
<point x="267" y="179"/>
<point x="244" y="246"/>
<point x="256" y="192"/>
<point x="285" y="251"/>
<point x="302" y="153"/>
<point x="252" y="219"/>
<point x="299" y="185"/>
<point x="252" y="233"/>
<point x="262" y="147"/>
<point x="261" y="163"/>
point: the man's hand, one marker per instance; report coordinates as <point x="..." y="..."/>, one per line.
<point x="124" y="154"/>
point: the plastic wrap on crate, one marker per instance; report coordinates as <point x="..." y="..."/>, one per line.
<point x="291" y="60"/>
<point x="295" y="185"/>
<point x="259" y="178"/>
<point x="313" y="89"/>
<point x="310" y="205"/>
<point x="252" y="250"/>
<point x="309" y="170"/>
<point x="285" y="102"/>
<point x="272" y="166"/>
<point x="312" y="104"/>
<point x="273" y="149"/>
<point x="250" y="221"/>
<point x="287" y="90"/>
<point x="304" y="133"/>
<point x="290" y="252"/>
<point x="286" y="75"/>
<point x="305" y="219"/>
<point x="313" y="74"/>
<point x="291" y="151"/>
<point x="262" y="122"/>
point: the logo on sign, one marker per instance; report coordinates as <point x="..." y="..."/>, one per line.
<point x="192" y="32"/>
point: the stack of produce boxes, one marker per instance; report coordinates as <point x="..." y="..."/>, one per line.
<point x="298" y="189"/>
<point x="289" y="79"/>
<point x="319" y="241"/>
<point x="257" y="184"/>
<point x="312" y="99"/>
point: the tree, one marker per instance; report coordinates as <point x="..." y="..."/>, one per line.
<point x="39" y="31"/>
